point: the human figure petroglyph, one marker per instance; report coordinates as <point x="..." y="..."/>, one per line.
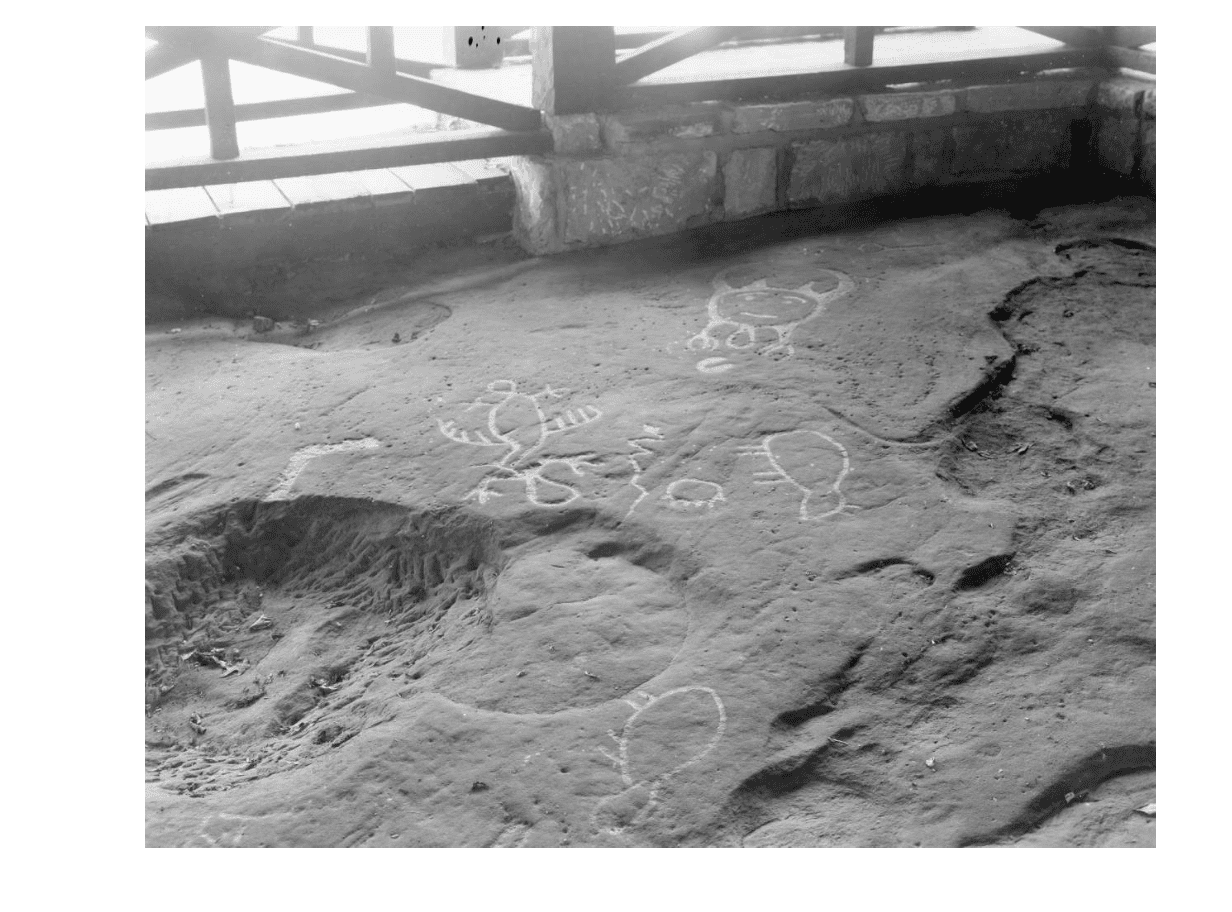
<point x="641" y="792"/>
<point x="519" y="422"/>
<point x="759" y="316"/>
<point x="800" y="458"/>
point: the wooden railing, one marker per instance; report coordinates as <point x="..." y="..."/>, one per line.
<point x="575" y="70"/>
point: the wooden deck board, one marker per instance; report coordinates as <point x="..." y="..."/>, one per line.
<point x="381" y="183"/>
<point x="180" y="204"/>
<point x="322" y="188"/>
<point x="433" y="177"/>
<point x="483" y="171"/>
<point x="248" y="196"/>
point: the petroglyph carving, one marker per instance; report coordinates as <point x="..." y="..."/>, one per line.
<point x="759" y="316"/>
<point x="693" y="494"/>
<point x="805" y="460"/>
<point x="651" y="434"/>
<point x="301" y="458"/>
<point x="642" y="785"/>
<point x="519" y="422"/>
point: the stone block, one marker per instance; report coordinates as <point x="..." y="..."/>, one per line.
<point x="794" y="115"/>
<point x="929" y="157"/>
<point x="1029" y="96"/>
<point x="574" y="134"/>
<point x="1022" y="145"/>
<point x="535" y="220"/>
<point x="908" y="105"/>
<point x="644" y="128"/>
<point x="1119" y="94"/>
<point x="845" y="169"/>
<point x="603" y="199"/>
<point x="1116" y="143"/>
<point x="749" y="181"/>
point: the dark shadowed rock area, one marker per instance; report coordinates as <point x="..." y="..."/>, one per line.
<point x="840" y="539"/>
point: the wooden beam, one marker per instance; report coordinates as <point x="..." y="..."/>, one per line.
<point x="842" y="79"/>
<point x="313" y="64"/>
<point x="858" y="44"/>
<point x="401" y="64"/>
<point x="1073" y="35"/>
<point x="1142" y="61"/>
<point x="352" y="154"/>
<point x="671" y="49"/>
<point x="572" y="68"/>
<point x="381" y="49"/>
<point x="1129" y="36"/>
<point x="163" y="58"/>
<point x="268" y="110"/>
<point x="304" y="35"/>
<point x="219" y="106"/>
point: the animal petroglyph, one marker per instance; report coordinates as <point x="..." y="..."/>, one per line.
<point x="806" y="460"/>
<point x="693" y="494"/>
<point x="301" y="458"/>
<point x="652" y="434"/>
<point x="520" y="424"/>
<point x="759" y="316"/>
<point x="648" y="735"/>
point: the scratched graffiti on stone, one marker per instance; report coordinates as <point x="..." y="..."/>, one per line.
<point x="809" y="461"/>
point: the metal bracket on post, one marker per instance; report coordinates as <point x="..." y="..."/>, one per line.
<point x="474" y="46"/>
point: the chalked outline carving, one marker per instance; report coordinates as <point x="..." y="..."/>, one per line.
<point x="621" y="758"/>
<point x="707" y="339"/>
<point x="300" y="459"/>
<point x="777" y="473"/>
<point x="651" y="434"/>
<point x="516" y="464"/>
<point x="687" y="503"/>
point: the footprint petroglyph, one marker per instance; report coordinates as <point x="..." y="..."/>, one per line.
<point x="665" y="735"/>
<point x="301" y="458"/>
<point x="759" y="316"/>
<point x="809" y="461"/>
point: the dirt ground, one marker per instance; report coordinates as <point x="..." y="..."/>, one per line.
<point x="826" y="539"/>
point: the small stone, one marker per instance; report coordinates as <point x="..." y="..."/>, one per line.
<point x="930" y="763"/>
<point x="262" y="324"/>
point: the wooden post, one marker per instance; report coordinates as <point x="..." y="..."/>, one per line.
<point x="858" y="44"/>
<point x="219" y="106"/>
<point x="572" y="68"/>
<point x="303" y="35"/>
<point x="381" y="48"/>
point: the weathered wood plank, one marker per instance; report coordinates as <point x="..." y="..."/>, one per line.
<point x="482" y="171"/>
<point x="401" y="64"/>
<point x="671" y="49"/>
<point x="382" y="184"/>
<point x="572" y="68"/>
<point x="313" y="64"/>
<point x="843" y="79"/>
<point x="858" y="44"/>
<point x="1128" y="36"/>
<point x="219" y="106"/>
<point x="315" y="189"/>
<point x="182" y="204"/>
<point x="304" y="35"/>
<point x="249" y="196"/>
<point x="163" y="58"/>
<point x="352" y="154"/>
